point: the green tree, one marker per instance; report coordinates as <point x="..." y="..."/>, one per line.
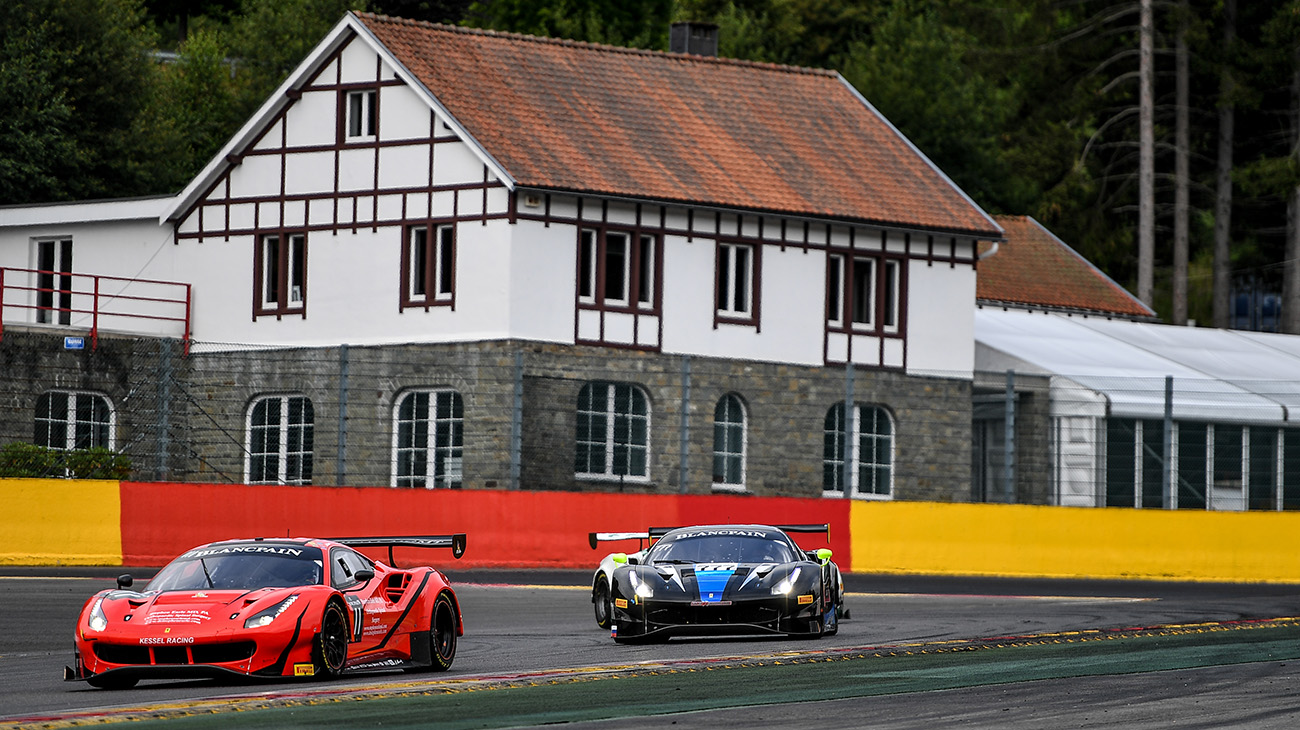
<point x="636" y="25"/>
<point x="269" y="38"/>
<point x="192" y="110"/>
<point x="914" y="71"/>
<point x="73" y="78"/>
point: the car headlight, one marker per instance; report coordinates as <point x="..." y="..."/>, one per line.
<point x="262" y="618"/>
<point x="98" y="621"/>
<point x="786" y="585"/>
<point x="640" y="587"/>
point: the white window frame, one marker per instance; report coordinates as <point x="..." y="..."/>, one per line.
<point x="735" y="272"/>
<point x="862" y="290"/>
<point x="588" y="249"/>
<point x="291" y="284"/>
<point x="69" y="422"/>
<point x="635" y="269"/>
<point x="285" y="433"/>
<point x="443" y="277"/>
<point x="738" y="428"/>
<point x="857" y="439"/>
<point x="607" y="409"/>
<point x="450" y="455"/>
<point x="623" y="297"/>
<point x="360" y="109"/>
<point x="835" y="290"/>
<point x="52" y="292"/>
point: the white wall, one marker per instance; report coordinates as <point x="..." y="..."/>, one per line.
<point x="940" y="319"/>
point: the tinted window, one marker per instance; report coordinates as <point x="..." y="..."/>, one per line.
<point x="723" y="546"/>
<point x="241" y="567"/>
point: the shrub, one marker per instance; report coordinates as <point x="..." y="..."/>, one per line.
<point x="28" y="460"/>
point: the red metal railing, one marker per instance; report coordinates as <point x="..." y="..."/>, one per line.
<point x="54" y="297"/>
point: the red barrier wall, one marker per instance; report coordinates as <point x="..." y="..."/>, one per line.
<point x="505" y="529"/>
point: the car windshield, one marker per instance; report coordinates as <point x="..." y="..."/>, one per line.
<point x="722" y="546"/>
<point x="245" y="567"/>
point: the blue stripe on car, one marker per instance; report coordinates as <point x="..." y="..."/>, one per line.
<point x="711" y="584"/>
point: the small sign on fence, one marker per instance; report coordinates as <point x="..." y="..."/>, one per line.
<point x="74" y="343"/>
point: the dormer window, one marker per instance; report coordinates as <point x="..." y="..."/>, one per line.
<point x="360" y="109"/>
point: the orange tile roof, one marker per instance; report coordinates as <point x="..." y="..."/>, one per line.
<point x="1034" y="267"/>
<point x="569" y="116"/>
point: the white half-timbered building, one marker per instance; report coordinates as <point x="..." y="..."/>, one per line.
<point x="413" y="184"/>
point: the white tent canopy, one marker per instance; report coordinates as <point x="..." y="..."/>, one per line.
<point x="1218" y="375"/>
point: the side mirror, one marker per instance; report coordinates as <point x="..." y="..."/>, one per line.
<point x="124" y="581"/>
<point x="364" y="575"/>
<point x="619" y="558"/>
<point x="824" y="554"/>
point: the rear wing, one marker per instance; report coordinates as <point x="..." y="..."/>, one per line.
<point x="456" y="542"/>
<point x="823" y="528"/>
<point x="654" y="533"/>
<point x="595" y="538"/>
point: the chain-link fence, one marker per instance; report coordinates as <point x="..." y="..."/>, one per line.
<point x="513" y="415"/>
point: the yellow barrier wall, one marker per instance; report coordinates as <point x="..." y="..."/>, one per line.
<point x="60" y="522"/>
<point x="1021" y="540"/>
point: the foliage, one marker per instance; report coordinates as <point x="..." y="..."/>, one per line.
<point x="1028" y="105"/>
<point x="271" y="37"/>
<point x="73" y="76"/>
<point x="638" y="25"/>
<point x="192" y="109"/>
<point x="27" y="460"/>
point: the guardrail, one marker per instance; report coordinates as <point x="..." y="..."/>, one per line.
<point x="91" y="301"/>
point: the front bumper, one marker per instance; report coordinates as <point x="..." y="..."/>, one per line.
<point x="775" y="615"/>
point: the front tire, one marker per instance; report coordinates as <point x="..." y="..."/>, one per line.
<point x="603" y="604"/>
<point x="331" y="648"/>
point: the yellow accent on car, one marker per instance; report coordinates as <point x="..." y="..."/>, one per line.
<point x="806" y="599"/>
<point x="620" y="602"/>
<point x="303" y="670"/>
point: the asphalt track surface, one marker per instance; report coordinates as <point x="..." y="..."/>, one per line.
<point x="918" y="652"/>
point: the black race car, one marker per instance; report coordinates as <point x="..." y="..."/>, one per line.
<point x="726" y="579"/>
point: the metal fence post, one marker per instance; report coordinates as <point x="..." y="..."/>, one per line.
<point x="341" y="464"/>
<point x="517" y="421"/>
<point x="164" y="408"/>
<point x="1009" y="441"/>
<point x="684" y="435"/>
<point x="1166" y="469"/>
<point x="850" y="443"/>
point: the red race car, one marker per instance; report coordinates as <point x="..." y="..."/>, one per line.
<point x="272" y="607"/>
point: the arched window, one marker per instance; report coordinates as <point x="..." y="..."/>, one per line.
<point x="280" y="440"/>
<point x="613" y="432"/>
<point x="729" y="443"/>
<point x="863" y="447"/>
<point x="68" y="419"/>
<point x="428" y="439"/>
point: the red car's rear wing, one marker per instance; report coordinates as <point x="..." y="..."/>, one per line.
<point x="456" y="542"/>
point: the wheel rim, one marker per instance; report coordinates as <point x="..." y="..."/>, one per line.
<point x="334" y="639"/>
<point x="444" y="630"/>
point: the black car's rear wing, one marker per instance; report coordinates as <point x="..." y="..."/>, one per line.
<point x="595" y="538"/>
<point x="824" y="528"/>
<point x="456" y="542"/>
<point x="654" y="533"/>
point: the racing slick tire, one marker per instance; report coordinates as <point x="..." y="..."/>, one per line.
<point x="442" y="634"/>
<point x="330" y="650"/>
<point x="111" y="682"/>
<point x="604" y="605"/>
